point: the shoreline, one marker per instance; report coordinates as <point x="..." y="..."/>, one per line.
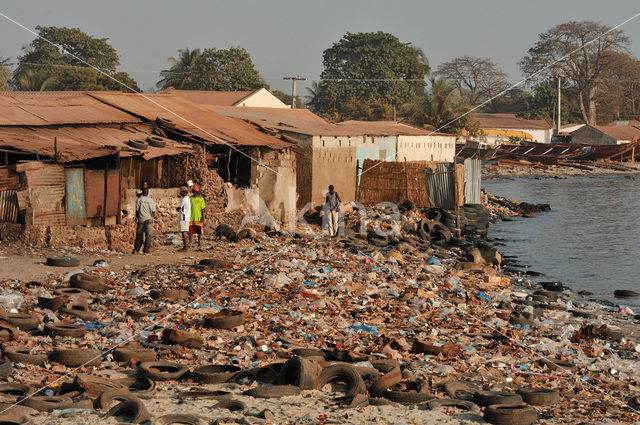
<point x="495" y="171"/>
<point x="346" y="295"/>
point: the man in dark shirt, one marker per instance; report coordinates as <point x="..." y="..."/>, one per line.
<point x="332" y="210"/>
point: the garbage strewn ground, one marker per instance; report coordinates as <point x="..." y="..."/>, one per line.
<point x="389" y="322"/>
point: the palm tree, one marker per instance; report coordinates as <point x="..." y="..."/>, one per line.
<point x="31" y="80"/>
<point x="437" y="108"/>
<point x="179" y="75"/>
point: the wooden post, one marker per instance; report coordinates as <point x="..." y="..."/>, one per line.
<point x="633" y="154"/>
<point x="186" y="170"/>
<point x="357" y="179"/>
<point x="406" y="179"/>
<point x="229" y="166"/>
<point x="106" y="177"/>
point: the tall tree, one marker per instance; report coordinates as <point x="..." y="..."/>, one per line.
<point x="5" y="73"/>
<point x="213" y="69"/>
<point x="438" y="107"/>
<point x="619" y="92"/>
<point x="579" y="52"/>
<point x="180" y="75"/>
<point x="33" y="80"/>
<point x="371" y="68"/>
<point x="542" y="103"/>
<point x="477" y="79"/>
<point x="70" y="63"/>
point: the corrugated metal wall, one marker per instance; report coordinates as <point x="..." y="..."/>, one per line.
<point x="9" y="206"/>
<point x="472" y="180"/>
<point x="441" y="185"/>
<point x="46" y="196"/>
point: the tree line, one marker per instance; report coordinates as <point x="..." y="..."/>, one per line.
<point x="375" y="76"/>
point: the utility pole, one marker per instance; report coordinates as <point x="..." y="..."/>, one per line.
<point x="293" y="88"/>
<point x="559" y="120"/>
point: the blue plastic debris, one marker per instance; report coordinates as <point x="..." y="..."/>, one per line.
<point x="433" y="261"/>
<point x="483" y="295"/>
<point x="364" y="328"/>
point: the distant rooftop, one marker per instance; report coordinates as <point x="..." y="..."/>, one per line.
<point x="510" y="121"/>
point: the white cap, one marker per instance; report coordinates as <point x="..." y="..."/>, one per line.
<point x="189" y="183"/>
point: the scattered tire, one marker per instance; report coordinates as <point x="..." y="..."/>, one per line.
<point x="24" y="321"/>
<point x="554" y="364"/>
<point x="169" y="294"/>
<point x="148" y="311"/>
<point x="274" y="391"/>
<point x="54" y="303"/>
<point x="308" y="352"/>
<point x="80" y="311"/>
<point x="62" y="262"/>
<point x="178" y="419"/>
<point x="230" y="405"/>
<point x="460" y="389"/>
<point x="265" y="375"/>
<point x="300" y="372"/>
<point x="138" y="144"/>
<point x="74" y="357"/>
<point x="225" y="319"/>
<point x="487" y="398"/>
<point x="166" y="123"/>
<point x="6" y="369"/>
<point x="73" y="293"/>
<point x="214" y="374"/>
<point x="133" y="411"/>
<point x="22" y="354"/>
<point x="384" y="365"/>
<point x="64" y="329"/>
<point x="107" y="398"/>
<point x="539" y="396"/>
<point x="10" y="419"/>
<point x="88" y="282"/>
<point x="503" y="414"/>
<point x="13" y="392"/>
<point x="125" y="354"/>
<point x="464" y="405"/>
<point x="215" y="262"/>
<point x="182" y="337"/>
<point x="43" y="403"/>
<point x="139" y="386"/>
<point x="391" y="378"/>
<point x="156" y="142"/>
<point x="162" y="370"/>
<point x="343" y="373"/>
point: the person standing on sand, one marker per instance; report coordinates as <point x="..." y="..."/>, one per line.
<point x="332" y="210"/>
<point x="184" y="216"/>
<point x="196" y="226"/>
<point x="145" y="210"/>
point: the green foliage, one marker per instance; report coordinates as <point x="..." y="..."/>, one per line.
<point x="542" y="103"/>
<point x="212" y="69"/>
<point x="512" y="102"/>
<point x="286" y="98"/>
<point x="438" y="107"/>
<point x="368" y="109"/>
<point x="567" y="50"/>
<point x="44" y="62"/>
<point x="5" y="73"/>
<point x="373" y="68"/>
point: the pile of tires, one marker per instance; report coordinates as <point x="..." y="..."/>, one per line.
<point x="474" y="220"/>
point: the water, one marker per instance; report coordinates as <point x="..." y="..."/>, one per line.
<point x="589" y="239"/>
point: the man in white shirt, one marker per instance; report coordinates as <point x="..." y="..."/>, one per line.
<point x="184" y="215"/>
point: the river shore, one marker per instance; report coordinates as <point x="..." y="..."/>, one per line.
<point x="421" y="306"/>
<point x="495" y="171"/>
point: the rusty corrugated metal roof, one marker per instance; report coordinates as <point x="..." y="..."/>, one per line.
<point x="81" y="143"/>
<point x="191" y="118"/>
<point x="510" y="121"/>
<point x="57" y="108"/>
<point x="211" y="97"/>
<point x="301" y="121"/>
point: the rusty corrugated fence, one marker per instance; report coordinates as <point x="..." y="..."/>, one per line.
<point x="472" y="180"/>
<point x="441" y="185"/>
<point x="9" y="206"/>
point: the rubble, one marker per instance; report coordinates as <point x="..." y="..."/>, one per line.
<point x="381" y="322"/>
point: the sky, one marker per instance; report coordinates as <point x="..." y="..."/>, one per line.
<point x="287" y="37"/>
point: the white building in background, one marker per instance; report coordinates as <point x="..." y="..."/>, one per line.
<point x="261" y="98"/>
<point x="497" y="129"/>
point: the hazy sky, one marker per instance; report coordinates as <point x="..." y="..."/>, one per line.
<point x="287" y="37"/>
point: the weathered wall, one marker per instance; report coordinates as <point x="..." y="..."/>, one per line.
<point x="592" y="136"/>
<point x="435" y="147"/>
<point x="273" y="175"/>
<point x="335" y="166"/>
